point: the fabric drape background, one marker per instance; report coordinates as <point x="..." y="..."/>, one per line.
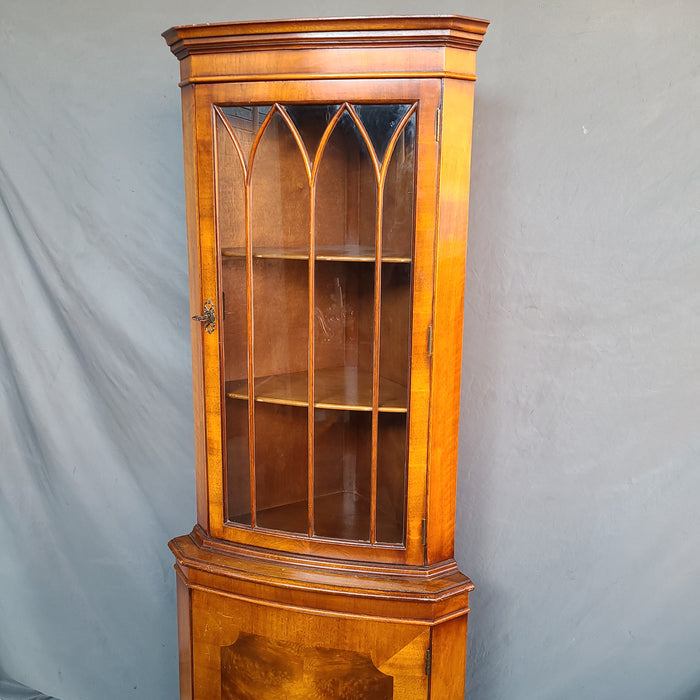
<point x="580" y="439"/>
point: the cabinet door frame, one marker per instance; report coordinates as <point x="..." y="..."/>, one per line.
<point x="205" y="272"/>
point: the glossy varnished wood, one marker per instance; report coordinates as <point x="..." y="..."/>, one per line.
<point x="373" y="47"/>
<point x="265" y="669"/>
<point x="423" y="596"/>
<point x="291" y="562"/>
<point x="189" y="138"/>
<point x="422" y="296"/>
<point x="451" y="247"/>
<point x="220" y="620"/>
<point x="337" y="253"/>
<point x="335" y="388"/>
<point x="391" y="616"/>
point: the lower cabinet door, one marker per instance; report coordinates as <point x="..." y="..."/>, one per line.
<point x="249" y="651"/>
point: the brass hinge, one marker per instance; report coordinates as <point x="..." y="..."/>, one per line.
<point x="430" y="340"/>
<point x="428" y="661"/>
<point x="438" y="123"/>
<point x="424" y="532"/>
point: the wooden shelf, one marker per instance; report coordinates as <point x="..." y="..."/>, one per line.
<point x="343" y="388"/>
<point x="343" y="515"/>
<point x="349" y="253"/>
<point x="290" y="253"/>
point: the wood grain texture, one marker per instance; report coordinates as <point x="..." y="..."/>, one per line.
<point x="340" y="388"/>
<point x="449" y="653"/>
<point x="450" y="256"/>
<point x="364" y="33"/>
<point x="395" y="650"/>
<point x="325" y="540"/>
<point x="419" y="595"/>
<point x="412" y="549"/>
<point x="265" y="669"/>
<point x="189" y="139"/>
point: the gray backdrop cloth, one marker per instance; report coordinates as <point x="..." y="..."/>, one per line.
<point x="11" y="690"/>
<point x="580" y="433"/>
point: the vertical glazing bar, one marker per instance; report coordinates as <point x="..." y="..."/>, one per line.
<point x="310" y="378"/>
<point x="376" y="333"/>
<point x="375" y="360"/>
<point x="313" y="169"/>
<point x="251" y="371"/>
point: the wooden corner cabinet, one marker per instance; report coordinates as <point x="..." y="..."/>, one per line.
<point x="327" y="180"/>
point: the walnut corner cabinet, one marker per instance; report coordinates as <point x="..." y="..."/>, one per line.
<point x="327" y="176"/>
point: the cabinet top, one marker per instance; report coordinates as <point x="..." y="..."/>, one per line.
<point x="388" y="31"/>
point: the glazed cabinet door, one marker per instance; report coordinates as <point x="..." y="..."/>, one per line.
<point x="316" y="238"/>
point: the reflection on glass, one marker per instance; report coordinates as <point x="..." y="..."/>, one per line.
<point x="245" y="122"/>
<point x="380" y="122"/>
<point x="399" y="196"/>
<point x="311" y="121"/>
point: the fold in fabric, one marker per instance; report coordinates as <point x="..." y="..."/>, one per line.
<point x="11" y="690"/>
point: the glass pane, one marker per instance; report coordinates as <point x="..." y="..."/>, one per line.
<point x="343" y="335"/>
<point x="398" y="217"/>
<point x="345" y="339"/>
<point x="233" y="331"/>
<point x="280" y="320"/>
<point x="281" y="467"/>
<point x="380" y="122"/>
<point x="279" y="193"/>
<point x="230" y="211"/>
<point x="281" y="331"/>
<point x="237" y="461"/>
<point x="343" y="456"/>
<point x="394" y="346"/>
<point x="245" y="122"/>
<point x="346" y="193"/>
<point x="230" y="190"/>
<point x="391" y="478"/>
<point x="311" y="121"/>
<point x="399" y="196"/>
<point x="393" y="398"/>
<point x="280" y="234"/>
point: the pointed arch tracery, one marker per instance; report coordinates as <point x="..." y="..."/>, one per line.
<point x="367" y="237"/>
<point x="345" y="108"/>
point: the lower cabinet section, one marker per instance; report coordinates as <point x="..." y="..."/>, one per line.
<point x="248" y="651"/>
<point x="254" y="628"/>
